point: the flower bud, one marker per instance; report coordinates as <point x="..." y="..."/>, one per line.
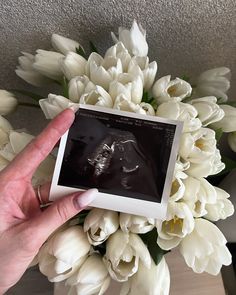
<point x="98" y="97"/>
<point x="47" y="63"/>
<point x="100" y="224"/>
<point x="134" y="39"/>
<point x="63" y="44"/>
<point x="204" y="248"/>
<point x="63" y="253"/>
<point x="214" y="82"/>
<point x="165" y="90"/>
<point x="155" y="280"/>
<point x="8" y="102"/>
<point x="27" y="72"/>
<point x="73" y="65"/>
<point x="123" y="253"/>
<point x="208" y="110"/>
<point x="129" y="86"/>
<point x="54" y="104"/>
<point x="140" y="66"/>
<point x="91" y="278"/>
<point x="78" y="86"/>
<point x="135" y="224"/>
<point x="228" y="122"/>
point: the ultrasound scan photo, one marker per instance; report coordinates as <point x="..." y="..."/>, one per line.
<point x="118" y="155"/>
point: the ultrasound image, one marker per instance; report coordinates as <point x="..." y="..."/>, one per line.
<point x="116" y="154"/>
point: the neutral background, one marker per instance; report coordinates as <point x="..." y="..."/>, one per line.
<point x="184" y="36"/>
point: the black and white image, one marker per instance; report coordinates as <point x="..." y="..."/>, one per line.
<point x="121" y="154"/>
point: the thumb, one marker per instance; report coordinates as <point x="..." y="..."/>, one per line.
<point x="61" y="211"/>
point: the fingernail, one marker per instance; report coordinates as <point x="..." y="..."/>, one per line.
<point x="74" y="108"/>
<point x="83" y="200"/>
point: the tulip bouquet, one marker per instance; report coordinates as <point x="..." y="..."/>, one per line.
<point x="99" y="245"/>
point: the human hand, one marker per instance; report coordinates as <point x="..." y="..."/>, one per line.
<point x="23" y="226"/>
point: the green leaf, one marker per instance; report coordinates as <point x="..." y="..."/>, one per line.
<point x="32" y="95"/>
<point x="219" y="133"/>
<point x="93" y="48"/>
<point x="185" y="78"/>
<point x="229" y="164"/>
<point x="145" y="97"/>
<point x="65" y="87"/>
<point x="154" y="104"/>
<point x="151" y="100"/>
<point x="80" y="51"/>
<point x="150" y="239"/>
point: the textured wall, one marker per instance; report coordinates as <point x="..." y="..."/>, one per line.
<point x="185" y="37"/>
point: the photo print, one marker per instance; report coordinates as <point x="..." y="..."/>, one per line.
<point x="124" y="155"/>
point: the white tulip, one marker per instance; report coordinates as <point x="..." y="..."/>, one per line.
<point x="63" y="44"/>
<point x="3" y="162"/>
<point x="208" y="110"/>
<point x="134" y="39"/>
<point x="100" y="224"/>
<point x="14" y="144"/>
<point x="232" y="141"/>
<point x="147" y="108"/>
<point x="54" y="104"/>
<point x="26" y="71"/>
<point x="123" y="253"/>
<point x="98" y="97"/>
<point x="222" y="208"/>
<point x="214" y="82"/>
<point x="47" y="63"/>
<point x="177" y="187"/>
<point x="91" y="278"/>
<point x="198" y="146"/>
<point x="213" y="165"/>
<point x="165" y="90"/>
<point x="8" y="102"/>
<point x="78" y="86"/>
<point x="179" y="222"/>
<point x="103" y="71"/>
<point x="119" y="51"/>
<point x="129" y="86"/>
<point x="198" y="193"/>
<point x="182" y="112"/>
<point x="135" y="224"/>
<point x="228" y="123"/>
<point x="63" y="253"/>
<point x="124" y="104"/>
<point x="73" y="65"/>
<point x="204" y="249"/>
<point x="5" y="127"/>
<point x="140" y="66"/>
<point x="153" y="281"/>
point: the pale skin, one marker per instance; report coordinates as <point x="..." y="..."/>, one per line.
<point x="24" y="227"/>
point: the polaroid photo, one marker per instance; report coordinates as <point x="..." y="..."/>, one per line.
<point x="130" y="158"/>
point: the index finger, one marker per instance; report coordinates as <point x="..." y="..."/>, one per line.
<point x="26" y="162"/>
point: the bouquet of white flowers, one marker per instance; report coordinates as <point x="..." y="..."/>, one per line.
<point x="98" y="244"/>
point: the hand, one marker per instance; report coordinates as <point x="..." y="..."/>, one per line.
<point x="23" y="226"/>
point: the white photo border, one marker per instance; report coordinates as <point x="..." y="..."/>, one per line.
<point x="114" y="202"/>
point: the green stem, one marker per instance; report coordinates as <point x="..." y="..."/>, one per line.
<point x="27" y="104"/>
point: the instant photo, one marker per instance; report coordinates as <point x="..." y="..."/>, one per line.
<point x="127" y="157"/>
